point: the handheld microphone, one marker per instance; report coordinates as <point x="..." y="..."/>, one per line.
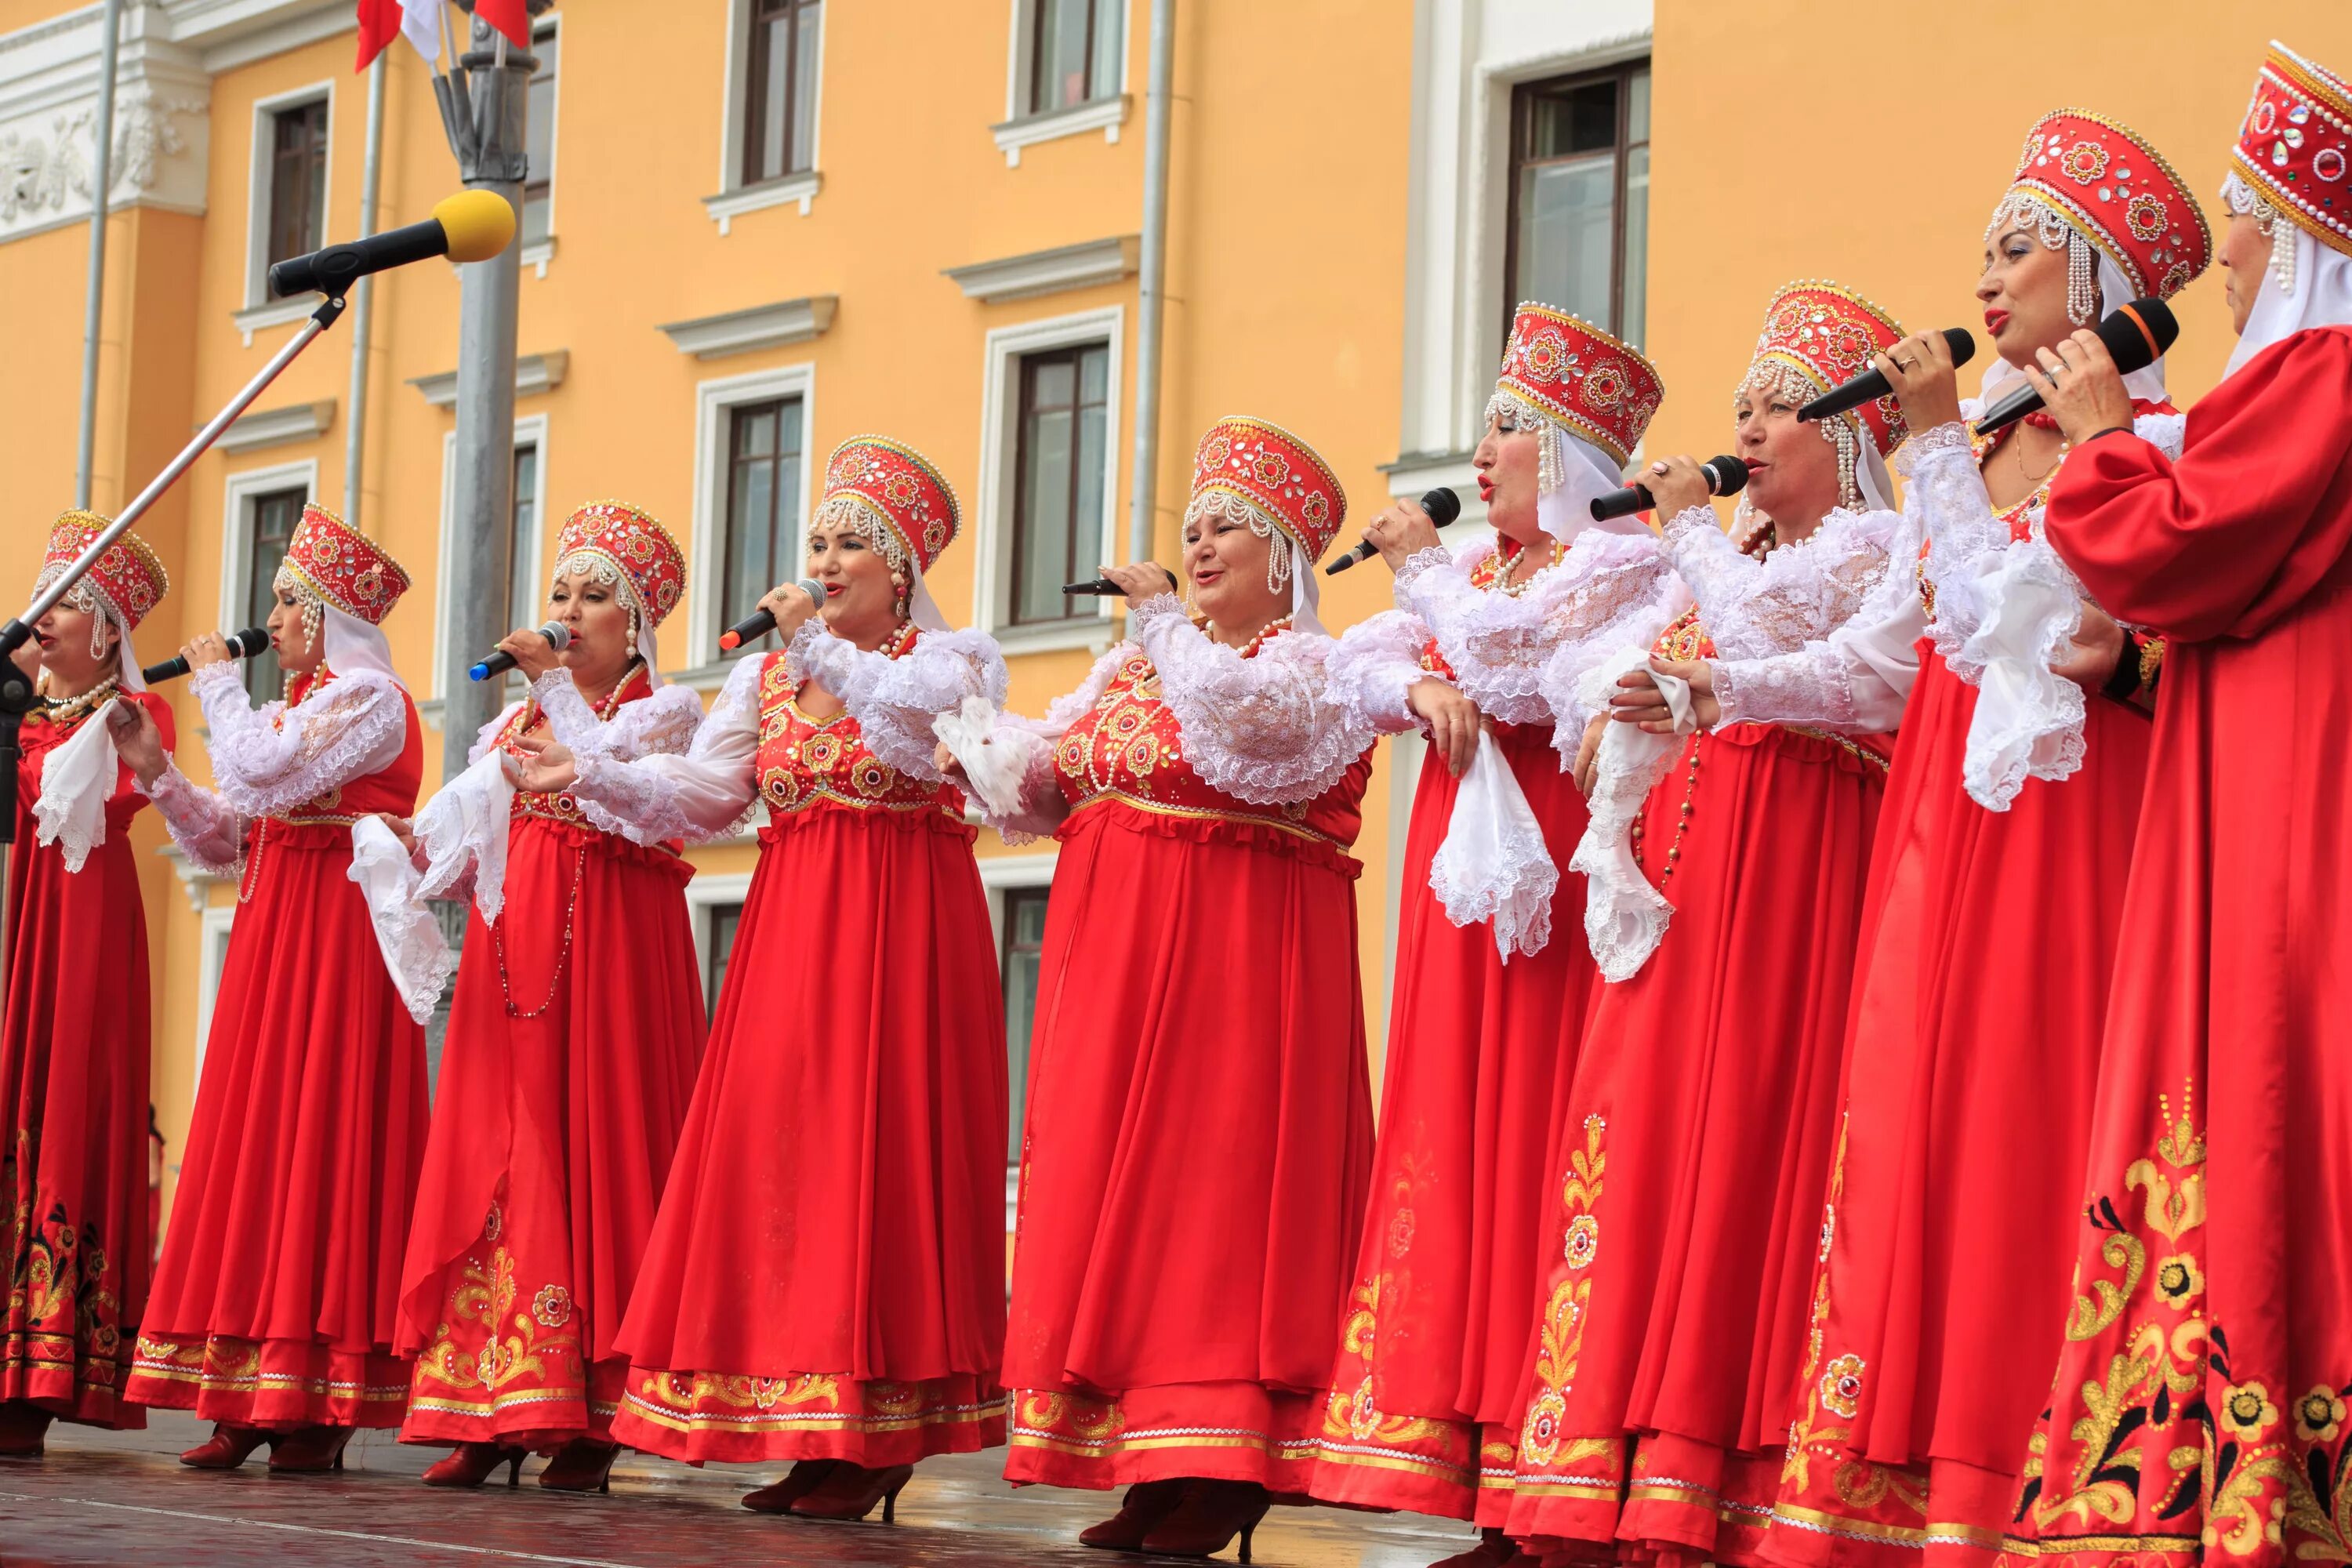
<point x="1110" y="590"/>
<point x="1442" y="507"/>
<point x="1872" y="383"/>
<point x="759" y="623"/>
<point x="244" y="644"/>
<point x="472" y="226"/>
<point x="1725" y="476"/>
<point x="2135" y="334"/>
<point x="558" y="635"/>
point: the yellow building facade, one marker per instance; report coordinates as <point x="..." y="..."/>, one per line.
<point x="760" y="227"/>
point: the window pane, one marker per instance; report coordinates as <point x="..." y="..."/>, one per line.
<point x="762" y="502"/>
<point x="540" y="140"/>
<point x="776" y="49"/>
<point x="1637" y="107"/>
<point x="724" y="918"/>
<point x="528" y="596"/>
<point x="1580" y="120"/>
<point x="1566" y="223"/>
<point x="297" y="179"/>
<point x="805" y="59"/>
<point x="273" y="518"/>
<point x="1109" y="21"/>
<point x="1044" y="521"/>
<point x="1024" y="936"/>
<point x="1086" y="528"/>
<point x="1634" y="261"/>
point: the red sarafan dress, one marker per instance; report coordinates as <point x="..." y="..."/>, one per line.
<point x="574" y="1036"/>
<point x="1680" y="1249"/>
<point x="274" y="1302"/>
<point x="73" y="1080"/>
<point x="2199" y="1413"/>
<point x="1971" y="1046"/>
<point x="1199" y="1124"/>
<point x="1422" y="1408"/>
<point x="826" y="1277"/>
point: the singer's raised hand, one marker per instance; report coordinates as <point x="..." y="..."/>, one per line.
<point x="1452" y="718"/>
<point x="551" y="768"/>
<point x="791" y="605"/>
<point x="1138" y="580"/>
<point x="2081" y="387"/>
<point x="1676" y="485"/>
<point x="1638" y="699"/>
<point x="138" y="741"/>
<point x="208" y="648"/>
<point x="532" y="654"/>
<point x="1924" y="380"/>
<point x="402" y="828"/>
<point x="1400" y="533"/>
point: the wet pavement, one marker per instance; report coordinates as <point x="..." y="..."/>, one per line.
<point x="122" y="1498"/>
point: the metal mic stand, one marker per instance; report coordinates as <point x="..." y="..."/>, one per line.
<point x="16" y="697"/>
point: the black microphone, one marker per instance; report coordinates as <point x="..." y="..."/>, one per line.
<point x="1442" y="507"/>
<point x="1109" y="589"/>
<point x="1725" y="476"/>
<point x="244" y="644"/>
<point x="472" y="226"/>
<point x="2135" y="334"/>
<point x="1872" y="383"/>
<point x="558" y="635"/>
<point x="759" y="623"/>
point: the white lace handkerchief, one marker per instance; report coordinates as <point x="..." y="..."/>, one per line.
<point x="414" y="953"/>
<point x="994" y="760"/>
<point x="464" y="827"/>
<point x="1625" y="917"/>
<point x="2029" y="719"/>
<point x="1493" y="865"/>
<point x="75" y="784"/>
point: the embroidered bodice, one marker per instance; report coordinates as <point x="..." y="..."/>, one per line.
<point x="805" y="762"/>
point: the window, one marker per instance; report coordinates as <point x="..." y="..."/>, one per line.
<point x="1057" y="507"/>
<point x="297" y="179"/>
<point x="724" y="918"/>
<point x="780" y="88"/>
<point x="764" y="502"/>
<point x="1024" y="948"/>
<point x="538" y="139"/>
<point x="1580" y="195"/>
<point x="273" y="518"/>
<point x="527" y="596"/>
<point x="1074" y="52"/>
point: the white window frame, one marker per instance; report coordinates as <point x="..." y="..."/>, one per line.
<point x="703" y="894"/>
<point x="212" y="957"/>
<point x="735" y="198"/>
<point x="237" y="496"/>
<point x="1022" y="129"/>
<point x="260" y="311"/>
<point x="998" y="873"/>
<point x="1000" y="436"/>
<point x="529" y="430"/>
<point x="537" y="255"/>
<point x="713" y="401"/>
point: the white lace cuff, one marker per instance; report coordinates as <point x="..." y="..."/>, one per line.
<point x="463" y="831"/>
<point x="1260" y="729"/>
<point x="2029" y="719"/>
<point x="414" y="953"/>
<point x="352" y="726"/>
<point x="1372" y="671"/>
<point x="208" y="831"/>
<point x="896" y="700"/>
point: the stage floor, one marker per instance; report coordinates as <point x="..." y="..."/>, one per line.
<point x="121" y="1498"/>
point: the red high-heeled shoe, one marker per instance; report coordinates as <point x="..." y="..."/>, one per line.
<point x="1211" y="1515"/>
<point x="228" y="1447"/>
<point x="471" y="1464"/>
<point x="1145" y="1505"/>
<point x="23" y="1427"/>
<point x="582" y="1465"/>
<point x="806" y="1476"/>
<point x="312" y="1451"/>
<point x="851" y="1491"/>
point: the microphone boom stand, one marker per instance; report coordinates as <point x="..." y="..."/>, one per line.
<point x="16" y="697"/>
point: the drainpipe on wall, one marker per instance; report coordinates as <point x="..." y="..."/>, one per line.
<point x="363" y="300"/>
<point x="101" y="184"/>
<point x="1151" y="293"/>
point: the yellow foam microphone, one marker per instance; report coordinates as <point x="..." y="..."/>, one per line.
<point x="471" y="225"/>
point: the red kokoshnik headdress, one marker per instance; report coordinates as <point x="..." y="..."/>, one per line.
<point x="898" y="499"/>
<point x="1819" y="335"/>
<point x="630" y="542"/>
<point x="1572" y="375"/>
<point x="334" y="564"/>
<point x="2294" y="159"/>
<point x="2097" y="189"/>
<point x="127" y="583"/>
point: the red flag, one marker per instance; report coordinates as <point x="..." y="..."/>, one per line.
<point x="511" y="17"/>
<point x="379" y="25"/>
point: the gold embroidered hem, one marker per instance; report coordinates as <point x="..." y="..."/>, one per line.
<point x="61" y="1344"/>
<point x="505" y="1364"/>
<point x="751" y="1418"/>
<point x="1215" y="1431"/>
<point x="274" y="1383"/>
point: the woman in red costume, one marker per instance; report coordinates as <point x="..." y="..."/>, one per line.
<point x="1727" y="873"/>
<point x="1490" y="997"/>
<point x="272" y="1314"/>
<point x="825" y="1283"/>
<point x="573" y="1039"/>
<point x="74" y="1047"/>
<point x="2203" y="1407"/>
<point x="1199" y="1127"/>
<point x="1990" y="925"/>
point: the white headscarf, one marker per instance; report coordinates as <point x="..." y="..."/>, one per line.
<point x="2316" y="288"/>
<point x="1586" y="474"/>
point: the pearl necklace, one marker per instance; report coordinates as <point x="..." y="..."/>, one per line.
<point x="1504" y="584"/>
<point x="64" y="712"/>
